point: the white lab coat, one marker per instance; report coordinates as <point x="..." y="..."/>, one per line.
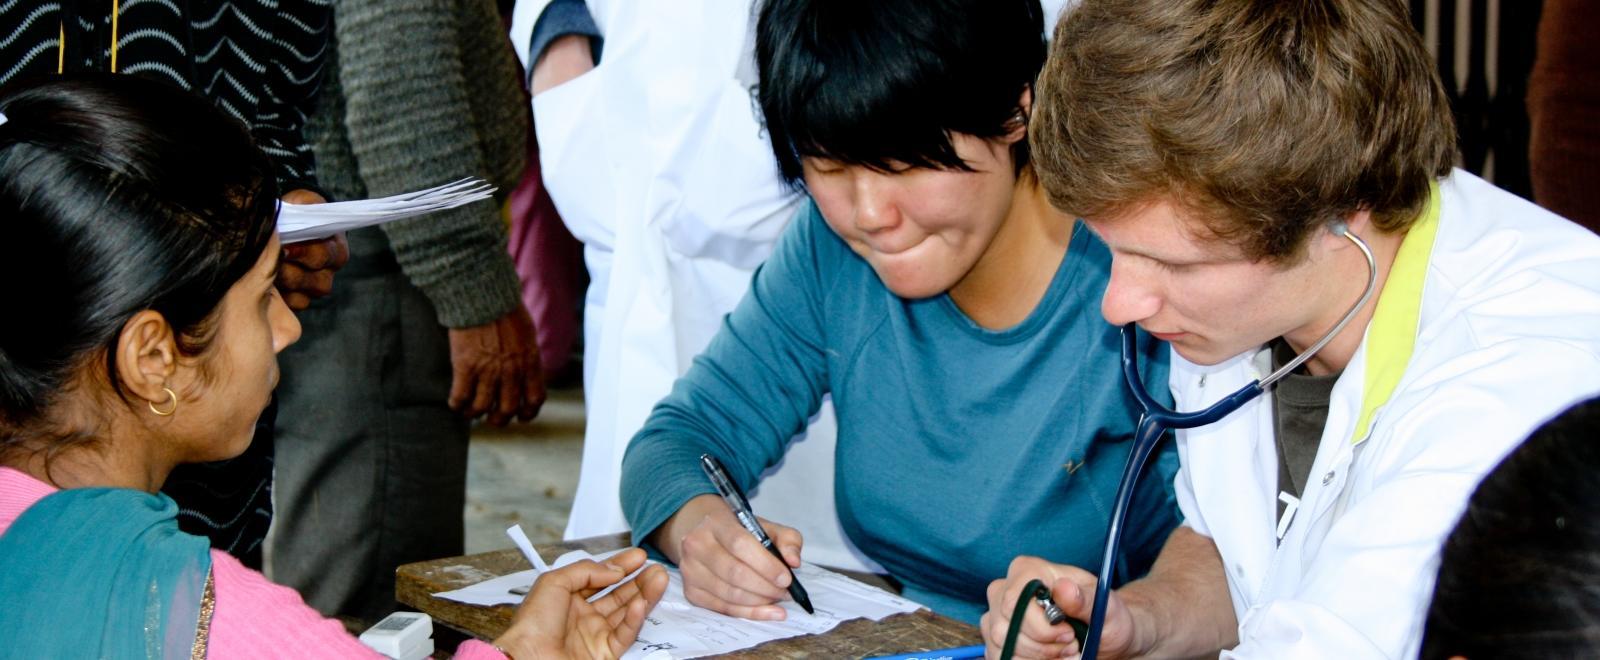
<point x="1509" y="335"/>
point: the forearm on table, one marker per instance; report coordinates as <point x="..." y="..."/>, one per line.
<point x="746" y="395"/>
<point x="1181" y="608"/>
<point x="665" y="535"/>
<point x="661" y="472"/>
<point x="660" y="475"/>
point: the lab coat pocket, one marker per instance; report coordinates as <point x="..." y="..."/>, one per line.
<point x="573" y="158"/>
<point x="724" y="148"/>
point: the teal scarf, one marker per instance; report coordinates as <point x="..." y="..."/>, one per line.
<point x="100" y="573"/>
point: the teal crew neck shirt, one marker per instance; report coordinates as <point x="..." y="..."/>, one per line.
<point x="959" y="448"/>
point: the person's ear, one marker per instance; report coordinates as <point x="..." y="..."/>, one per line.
<point x="1358" y="223"/>
<point x="147" y="357"/>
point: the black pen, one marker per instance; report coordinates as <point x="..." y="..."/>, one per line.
<point x="741" y="510"/>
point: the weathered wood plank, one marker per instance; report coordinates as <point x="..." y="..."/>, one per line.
<point x="416" y="583"/>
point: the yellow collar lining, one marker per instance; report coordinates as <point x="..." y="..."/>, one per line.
<point x="1392" y="336"/>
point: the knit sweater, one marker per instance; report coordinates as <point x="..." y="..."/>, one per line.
<point x="259" y="60"/>
<point x="418" y="94"/>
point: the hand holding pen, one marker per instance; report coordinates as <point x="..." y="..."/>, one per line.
<point x="725" y="569"/>
<point x="747" y="519"/>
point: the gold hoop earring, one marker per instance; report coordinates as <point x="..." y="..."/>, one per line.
<point x="168" y="412"/>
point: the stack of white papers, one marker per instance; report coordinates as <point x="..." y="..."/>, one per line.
<point x="310" y="222"/>
<point x="676" y="629"/>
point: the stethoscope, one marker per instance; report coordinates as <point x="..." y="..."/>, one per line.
<point x="1157" y="419"/>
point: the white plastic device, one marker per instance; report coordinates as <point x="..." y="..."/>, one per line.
<point x="401" y="636"/>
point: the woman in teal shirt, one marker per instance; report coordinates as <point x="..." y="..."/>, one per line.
<point x="934" y="293"/>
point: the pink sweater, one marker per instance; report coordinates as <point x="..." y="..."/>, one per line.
<point x="254" y="618"/>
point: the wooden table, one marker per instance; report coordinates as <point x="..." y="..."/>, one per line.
<point x="416" y="583"/>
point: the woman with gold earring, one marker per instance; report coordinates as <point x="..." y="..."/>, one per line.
<point x="261" y="63"/>
<point x="143" y="221"/>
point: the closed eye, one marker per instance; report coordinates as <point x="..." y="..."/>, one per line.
<point x="1175" y="267"/>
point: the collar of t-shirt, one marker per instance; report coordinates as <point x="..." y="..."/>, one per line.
<point x="1299" y="413"/>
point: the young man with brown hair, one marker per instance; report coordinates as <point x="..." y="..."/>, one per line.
<point x="1222" y="148"/>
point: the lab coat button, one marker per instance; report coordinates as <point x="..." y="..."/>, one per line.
<point x="1328" y="478"/>
<point x="1202" y="380"/>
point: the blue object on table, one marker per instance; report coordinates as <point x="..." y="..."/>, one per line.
<point x="957" y="653"/>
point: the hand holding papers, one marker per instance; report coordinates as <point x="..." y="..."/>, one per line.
<point x="540" y="568"/>
<point x="309" y="222"/>
<point x="556" y="617"/>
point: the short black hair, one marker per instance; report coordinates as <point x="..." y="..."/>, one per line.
<point x="880" y="83"/>
<point x="1519" y="577"/>
<point x="117" y="194"/>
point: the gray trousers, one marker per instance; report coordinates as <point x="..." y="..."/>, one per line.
<point x="371" y="462"/>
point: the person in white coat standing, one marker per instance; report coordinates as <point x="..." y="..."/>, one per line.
<point x="1211" y="144"/>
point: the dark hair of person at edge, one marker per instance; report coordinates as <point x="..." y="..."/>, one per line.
<point x="1519" y="577"/>
<point x="122" y="203"/>
<point x="883" y="84"/>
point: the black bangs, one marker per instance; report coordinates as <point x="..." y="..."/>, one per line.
<point x="884" y="83"/>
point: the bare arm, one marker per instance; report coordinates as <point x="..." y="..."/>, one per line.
<point x="567" y="57"/>
<point x="1182" y="608"/>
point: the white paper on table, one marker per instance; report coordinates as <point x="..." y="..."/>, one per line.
<point x="676" y="629"/>
<point x="309" y="222"/>
<point x="497" y="591"/>
<point x="520" y="538"/>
